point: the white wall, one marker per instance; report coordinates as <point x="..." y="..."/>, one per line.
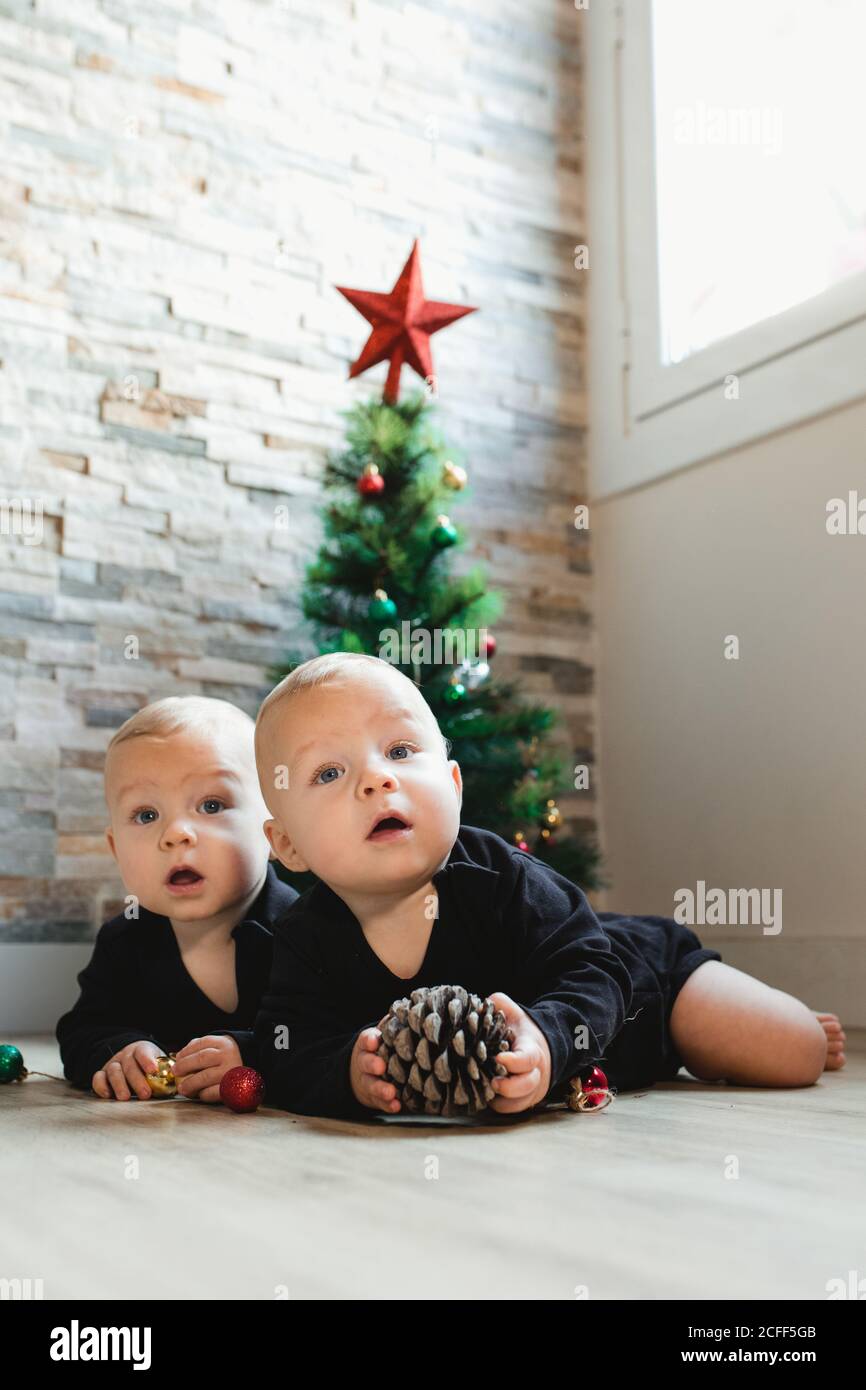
<point x="747" y="773"/>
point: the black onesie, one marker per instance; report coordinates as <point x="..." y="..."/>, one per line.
<point x="136" y="988"/>
<point x="506" y="922"/>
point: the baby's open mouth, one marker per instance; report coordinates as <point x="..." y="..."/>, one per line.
<point x="388" y="825"/>
<point x="178" y="877"/>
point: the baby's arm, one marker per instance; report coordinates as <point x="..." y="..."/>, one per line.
<point x="245" y="1041"/>
<point x="203" y="1062"/>
<point x="567" y="979"/>
<point x="102" y="1021"/>
<point x="305" y="1043"/>
<point x="366" y="1072"/>
<point x="125" y="1072"/>
<point x="528" y="1061"/>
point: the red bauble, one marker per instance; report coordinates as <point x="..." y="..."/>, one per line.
<point x="371" y="482"/>
<point x="242" y="1088"/>
<point x="591" y="1093"/>
<point x="595" y="1088"/>
<point x="490" y="646"/>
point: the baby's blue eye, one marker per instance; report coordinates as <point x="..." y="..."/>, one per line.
<point x="211" y="806"/>
<point x="321" y="773"/>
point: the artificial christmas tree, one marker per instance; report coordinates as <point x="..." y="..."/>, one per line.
<point x="381" y="585"/>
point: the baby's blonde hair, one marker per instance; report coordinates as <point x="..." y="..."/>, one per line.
<point x="176" y="714"/>
<point x="318" y="671"/>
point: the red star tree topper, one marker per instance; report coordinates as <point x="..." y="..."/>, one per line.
<point x="403" y="322"/>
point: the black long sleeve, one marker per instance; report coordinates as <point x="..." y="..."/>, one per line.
<point x="102" y="1021"/>
<point x="567" y="973"/>
<point x="246" y="1041"/>
<point x="304" y="1038"/>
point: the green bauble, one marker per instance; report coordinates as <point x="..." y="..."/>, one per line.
<point x="12" y="1066"/>
<point x="443" y="533"/>
<point x="455" y="693"/>
<point x="382" y="607"/>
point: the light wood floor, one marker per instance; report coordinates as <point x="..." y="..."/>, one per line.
<point x="634" y="1202"/>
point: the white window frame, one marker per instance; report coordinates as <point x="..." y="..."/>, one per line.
<point x="648" y="419"/>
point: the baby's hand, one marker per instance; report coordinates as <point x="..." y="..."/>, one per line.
<point x="202" y="1064"/>
<point x="365" y="1071"/>
<point x="124" y="1072"/>
<point x="527" y="1063"/>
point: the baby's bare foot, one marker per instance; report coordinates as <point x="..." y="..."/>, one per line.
<point x="835" y="1041"/>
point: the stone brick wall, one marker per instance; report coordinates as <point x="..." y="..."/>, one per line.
<point x="182" y="186"/>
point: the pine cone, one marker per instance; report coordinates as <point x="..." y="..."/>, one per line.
<point x="440" y="1046"/>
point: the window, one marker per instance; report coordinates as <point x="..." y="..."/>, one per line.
<point x="761" y="195"/>
<point x="727" y="207"/>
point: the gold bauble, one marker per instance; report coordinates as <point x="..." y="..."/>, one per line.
<point x="454" y="476"/>
<point x="162" y="1081"/>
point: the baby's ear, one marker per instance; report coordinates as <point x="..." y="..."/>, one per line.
<point x="457" y="778"/>
<point x="282" y="847"/>
<point x="109" y="835"/>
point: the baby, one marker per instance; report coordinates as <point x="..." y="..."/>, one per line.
<point x="356" y="774"/>
<point x="189" y="959"/>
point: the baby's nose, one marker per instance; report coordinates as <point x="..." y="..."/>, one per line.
<point x="376" y="778"/>
<point x="177" y="830"/>
<point x="385" y="779"/>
